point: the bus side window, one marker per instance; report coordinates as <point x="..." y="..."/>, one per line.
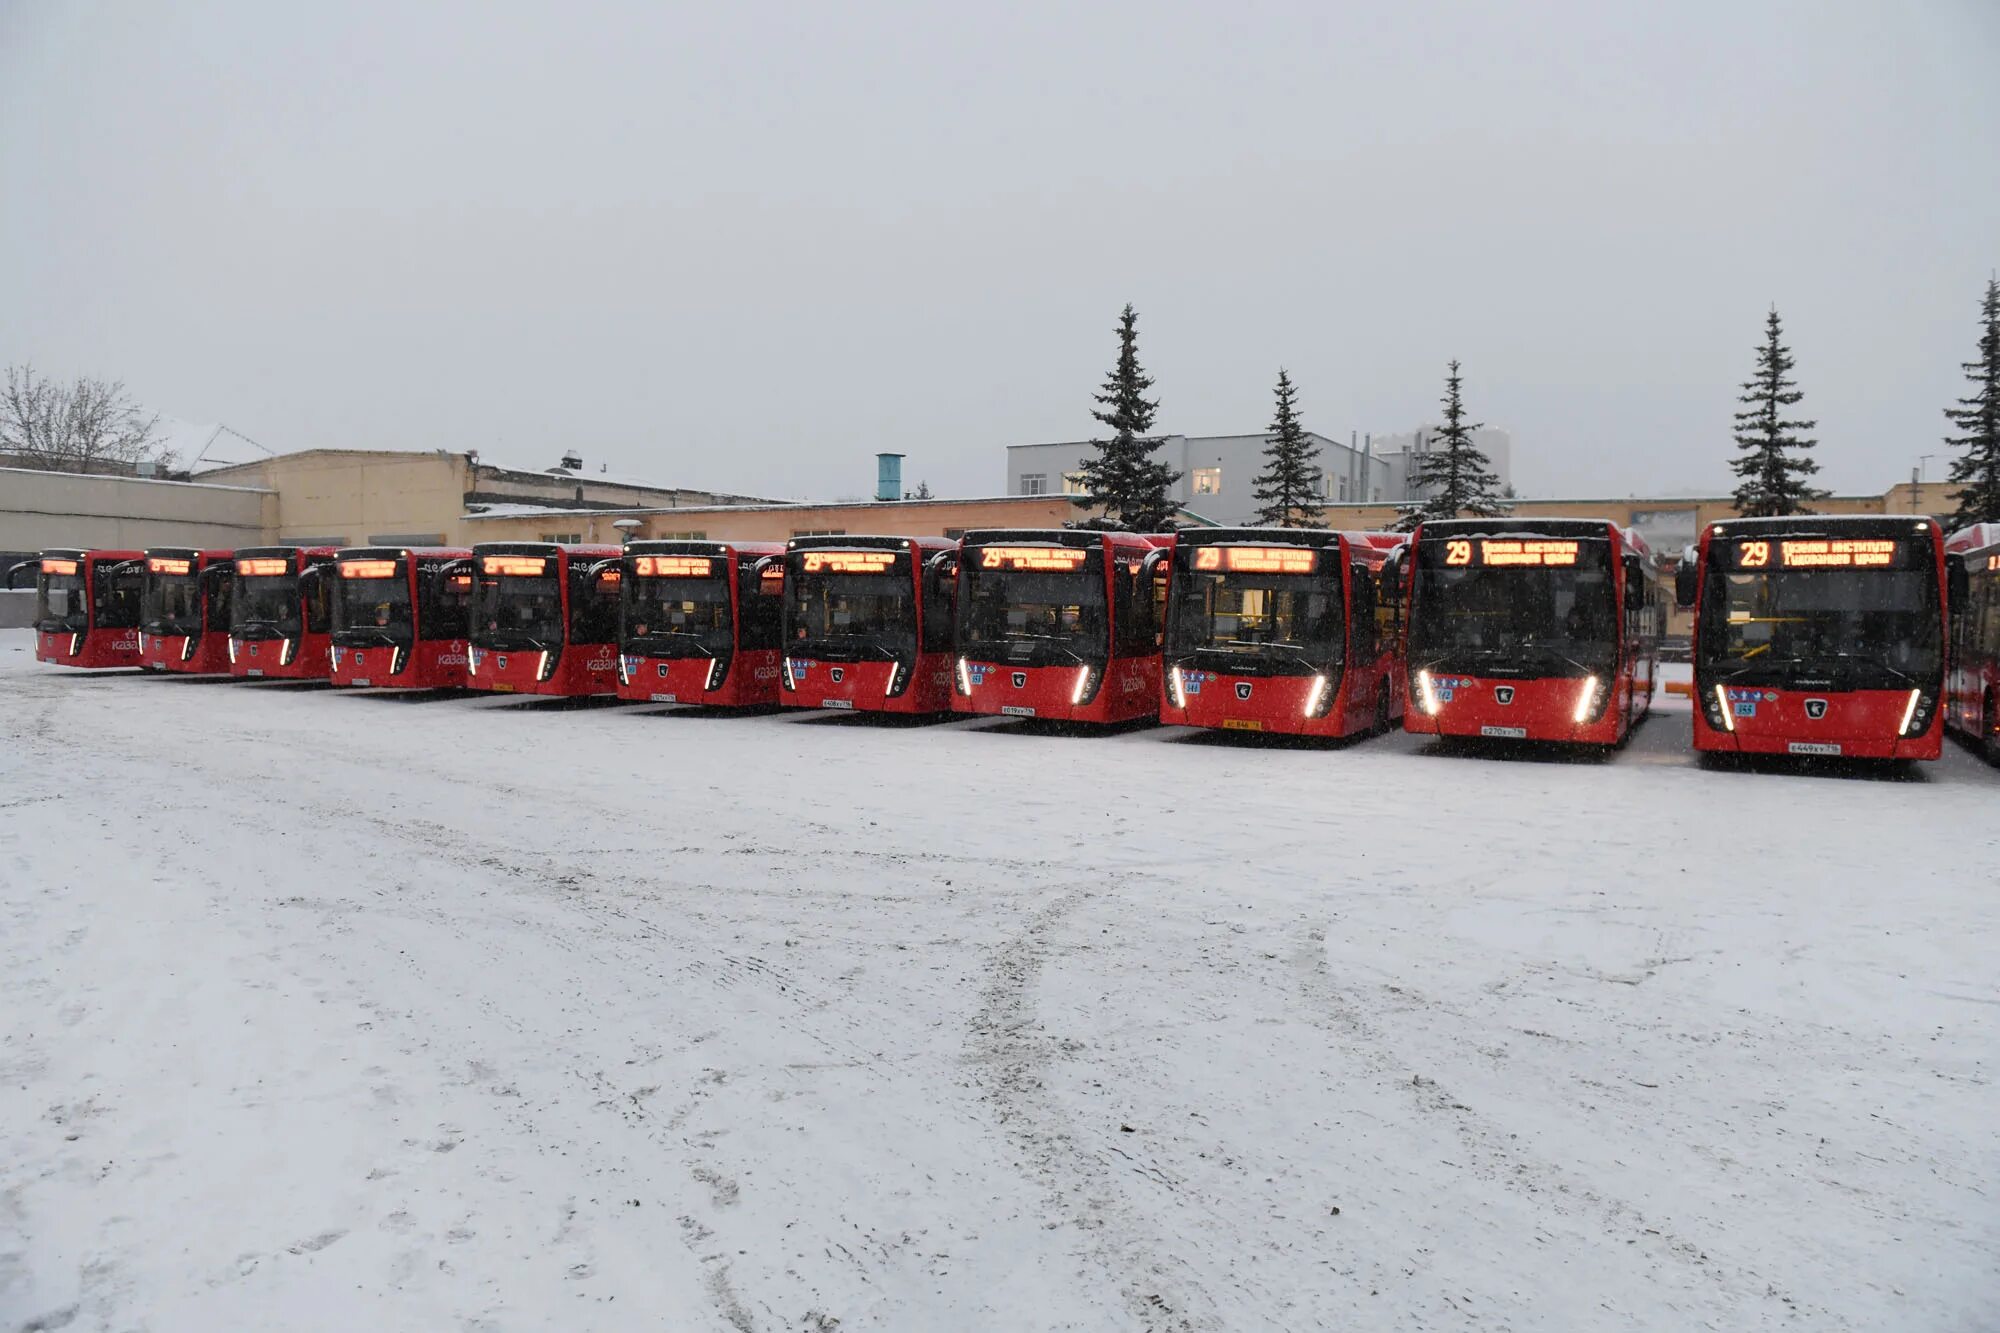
<point x="117" y="597"/>
<point x="940" y="609"/>
<point x="758" y="611"/>
<point x="593" y="607"/>
<point x="1131" y="612"/>
<point x="1361" y="623"/>
<point x="319" y="597"/>
<point x="443" y="606"/>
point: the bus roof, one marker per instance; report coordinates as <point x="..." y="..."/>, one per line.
<point x="192" y="552"/>
<point x="844" y="542"/>
<point x="260" y="551"/>
<point x="1068" y="537"/>
<point x="1808" y="524"/>
<point x="1374" y="541"/>
<point x="541" y="548"/>
<point x="1978" y="537"/>
<point x="88" y="553"/>
<point x="700" y="546"/>
<point x="392" y="552"/>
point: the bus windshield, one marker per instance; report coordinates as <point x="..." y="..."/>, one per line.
<point x="1256" y="623"/>
<point x="846" y="606"/>
<point x="265" y="606"/>
<point x="1478" y="611"/>
<point x="677" y="606"/>
<point x="60" y="604"/>
<point x="1034" y="606"/>
<point x="1850" y="629"/>
<point x="517" y="603"/>
<point x="171" y="603"/>
<point x="371" y="604"/>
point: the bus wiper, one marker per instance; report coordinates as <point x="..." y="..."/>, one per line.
<point x="375" y="634"/>
<point x="1897" y="672"/>
<point x="676" y="634"/>
<point x="1547" y="650"/>
<point x="1060" y="645"/>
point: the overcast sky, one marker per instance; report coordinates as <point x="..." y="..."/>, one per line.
<point x="747" y="246"/>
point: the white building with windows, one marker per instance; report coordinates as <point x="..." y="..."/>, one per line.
<point x="1400" y="453"/>
<point x="1218" y="472"/>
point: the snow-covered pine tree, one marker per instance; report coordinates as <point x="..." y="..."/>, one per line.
<point x="1455" y="478"/>
<point x="1977" y="467"/>
<point x="1290" y="485"/>
<point x="1123" y="477"/>
<point x="1773" y="464"/>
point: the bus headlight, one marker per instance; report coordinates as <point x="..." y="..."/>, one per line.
<point x="232" y="649"/>
<point x="1086" y="686"/>
<point x="1427" y="694"/>
<point x="187" y="648"/>
<point x="1587" y="700"/>
<point x="1721" y="717"/>
<point x="790" y="682"/>
<point x="718" y="668"/>
<point x="964" y="677"/>
<point x="1916" y="714"/>
<point x="1177" y="687"/>
<point x="624" y="669"/>
<point x="899" y="680"/>
<point x="75" y="644"/>
<point x="397" y="656"/>
<point x="285" y="653"/>
<point x="545" y="667"/>
<point x="1319" y="698"/>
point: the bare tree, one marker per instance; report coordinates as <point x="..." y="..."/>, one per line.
<point x="86" y="426"/>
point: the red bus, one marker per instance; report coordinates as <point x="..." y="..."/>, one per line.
<point x="1060" y="623"/>
<point x="400" y="616"/>
<point x="1284" y="630"/>
<point x="868" y="624"/>
<point x="701" y="622"/>
<point x="1531" y="629"/>
<point x="279" y="614"/>
<point x="86" y="606"/>
<point x="544" y="618"/>
<point x="1972" y="696"/>
<point x="184" y="610"/>
<point x="1818" y="636"/>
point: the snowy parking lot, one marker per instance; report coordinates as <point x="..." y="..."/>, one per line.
<point x="360" y="1011"/>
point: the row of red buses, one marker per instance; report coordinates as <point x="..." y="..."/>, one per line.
<point x="544" y="618"/>
<point x="400" y="616"/>
<point x="1283" y="630"/>
<point x="868" y="624"/>
<point x="1531" y="629"/>
<point x="1818" y="635"/>
<point x="1059" y="624"/>
<point x="184" y="604"/>
<point x="701" y="622"/>
<point x="86" y="606"/>
<point x="1972" y="695"/>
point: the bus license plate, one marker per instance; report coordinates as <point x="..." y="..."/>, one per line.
<point x="1505" y="733"/>
<point x="1813" y="747"/>
<point x="1015" y="710"/>
<point x="256" y="671"/>
<point x="666" y="699"/>
<point x="502" y="689"/>
<point x="836" y="703"/>
<point x="360" y="680"/>
<point x="1241" y="724"/>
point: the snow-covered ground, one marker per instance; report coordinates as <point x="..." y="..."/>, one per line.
<point x="354" y="1012"/>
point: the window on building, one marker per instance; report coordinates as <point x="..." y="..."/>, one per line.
<point x="680" y="536"/>
<point x="1343" y="488"/>
<point x="952" y="534"/>
<point x="819" y="532"/>
<point x="1034" y="483"/>
<point x="1207" y="480"/>
<point x="562" y="538"/>
<point x="1073" y="484"/>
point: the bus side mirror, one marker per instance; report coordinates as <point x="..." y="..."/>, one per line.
<point x="944" y="564"/>
<point x="1685" y="582"/>
<point x="1149" y="566"/>
<point x="25" y="564"/>
<point x="1958" y="584"/>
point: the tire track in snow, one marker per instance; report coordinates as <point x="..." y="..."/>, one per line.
<point x="1012" y="1055"/>
<point x="1488" y="1147"/>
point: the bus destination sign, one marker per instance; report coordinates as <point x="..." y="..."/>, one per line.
<point x="674" y="566"/>
<point x="522" y="566"/>
<point x="849" y="562"/>
<point x="368" y="569"/>
<point x="163" y="564"/>
<point x="1257" y="559"/>
<point x="1058" y="559"/>
<point x="1532" y="552"/>
<point x="1819" y="553"/>
<point x="263" y="566"/>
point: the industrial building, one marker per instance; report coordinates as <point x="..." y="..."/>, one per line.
<point x="1217" y="472"/>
